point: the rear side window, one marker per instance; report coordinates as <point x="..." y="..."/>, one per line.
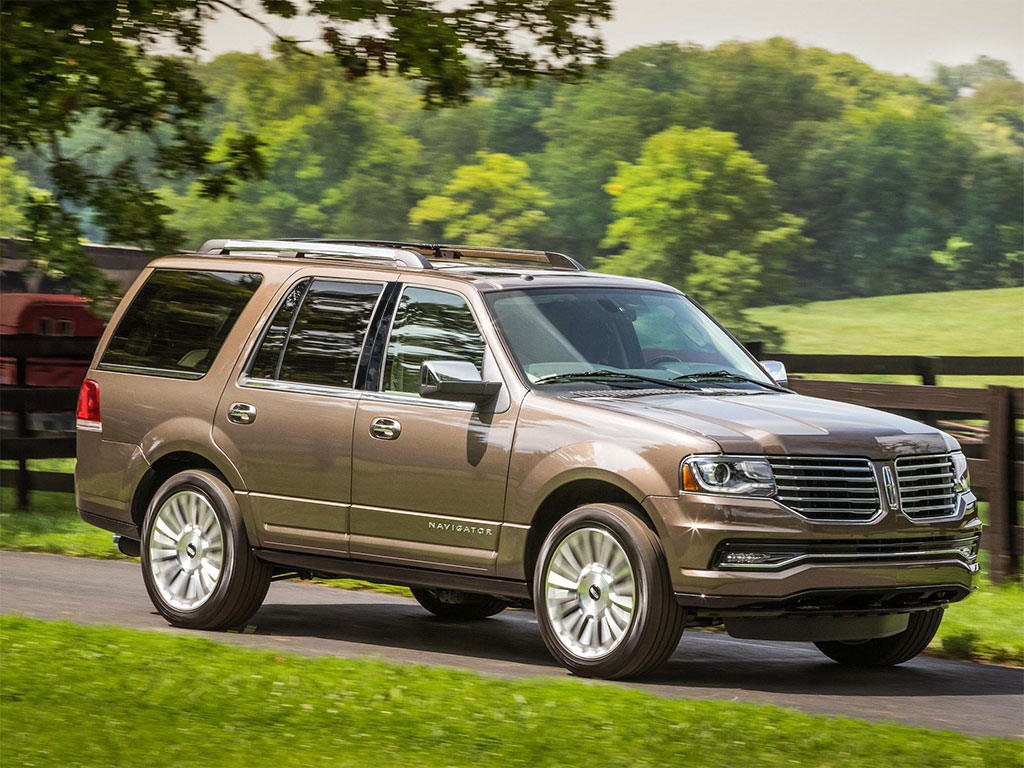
<point x="317" y="335"/>
<point x="178" y="321"/>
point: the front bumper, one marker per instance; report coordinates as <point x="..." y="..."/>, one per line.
<point x="891" y="564"/>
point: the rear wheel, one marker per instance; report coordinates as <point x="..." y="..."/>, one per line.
<point x="197" y="564"/>
<point x="449" y="604"/>
<point x="603" y="597"/>
<point x="887" y="651"/>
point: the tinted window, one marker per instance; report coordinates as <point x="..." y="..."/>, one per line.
<point x="429" y="325"/>
<point x="264" y="365"/>
<point x="178" y="321"/>
<point x="656" y="334"/>
<point x="327" y="333"/>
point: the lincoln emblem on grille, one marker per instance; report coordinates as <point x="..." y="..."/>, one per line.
<point x="890" y="488"/>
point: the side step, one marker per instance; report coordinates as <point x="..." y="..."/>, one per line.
<point x="382" y="573"/>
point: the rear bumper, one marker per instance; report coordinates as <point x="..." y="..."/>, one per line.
<point x="889" y="565"/>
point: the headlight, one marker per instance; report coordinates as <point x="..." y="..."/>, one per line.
<point x="961" y="475"/>
<point x="739" y="475"/>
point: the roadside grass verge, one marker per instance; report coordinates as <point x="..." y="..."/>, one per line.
<point x="74" y="695"/>
<point x="987" y="626"/>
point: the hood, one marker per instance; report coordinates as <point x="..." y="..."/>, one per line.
<point x="786" y="424"/>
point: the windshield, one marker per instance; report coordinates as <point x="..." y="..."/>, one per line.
<point x="619" y="337"/>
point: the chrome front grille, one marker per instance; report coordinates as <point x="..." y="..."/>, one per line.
<point x="926" y="486"/>
<point x="827" y="488"/>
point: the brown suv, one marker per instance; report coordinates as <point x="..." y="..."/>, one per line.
<point x="495" y="427"/>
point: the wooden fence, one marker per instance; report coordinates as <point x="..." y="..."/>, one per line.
<point x="997" y="471"/>
<point x="22" y="400"/>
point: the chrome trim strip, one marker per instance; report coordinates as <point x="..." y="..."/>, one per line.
<point x="296" y="388"/>
<point x="884" y="557"/>
<point x="149" y="371"/>
<point x="89" y="426"/>
<point x="403" y="398"/>
<point x="478" y="521"/>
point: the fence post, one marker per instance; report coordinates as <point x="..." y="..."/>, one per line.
<point x="1002" y="498"/>
<point x="24" y="478"/>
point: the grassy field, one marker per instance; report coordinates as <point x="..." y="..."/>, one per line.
<point x="186" y="701"/>
<point x="955" y="323"/>
<point x="989" y="626"/>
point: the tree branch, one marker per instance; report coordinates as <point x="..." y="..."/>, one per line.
<point x="295" y="44"/>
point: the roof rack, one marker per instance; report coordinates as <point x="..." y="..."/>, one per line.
<point x="416" y="255"/>
<point x="319" y="248"/>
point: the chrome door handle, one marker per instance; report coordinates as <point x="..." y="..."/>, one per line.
<point x="385" y="429"/>
<point x="242" y="413"/>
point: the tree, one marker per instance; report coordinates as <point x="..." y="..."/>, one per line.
<point x="14" y="192"/>
<point x="489" y="203"/>
<point x="696" y="211"/>
<point x="64" y="63"/>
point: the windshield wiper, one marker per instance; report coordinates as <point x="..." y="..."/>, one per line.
<point x="603" y="374"/>
<point x="728" y="376"/>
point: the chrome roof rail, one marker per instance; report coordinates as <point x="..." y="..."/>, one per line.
<point x="321" y="249"/>
<point x="417" y="255"/>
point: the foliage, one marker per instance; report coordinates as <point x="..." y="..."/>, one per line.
<point x="698" y="212"/>
<point x="63" y="706"/>
<point x="901" y="185"/>
<point x="489" y="203"/>
<point x="66" y="64"/>
<point x="14" y="192"/>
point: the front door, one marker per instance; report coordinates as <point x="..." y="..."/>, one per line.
<point x="429" y="476"/>
<point x="286" y="421"/>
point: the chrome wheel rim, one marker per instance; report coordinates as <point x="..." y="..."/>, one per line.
<point x="186" y="550"/>
<point x="590" y="592"/>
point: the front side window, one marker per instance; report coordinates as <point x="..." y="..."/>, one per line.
<point x="178" y="321"/>
<point x="429" y="325"/>
<point x="619" y="337"/>
<point x="317" y="334"/>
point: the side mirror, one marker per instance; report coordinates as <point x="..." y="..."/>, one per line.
<point x="455" y="380"/>
<point x="777" y="371"/>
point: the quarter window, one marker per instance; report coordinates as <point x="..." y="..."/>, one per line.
<point x="429" y="325"/>
<point x="317" y="335"/>
<point x="178" y="321"/>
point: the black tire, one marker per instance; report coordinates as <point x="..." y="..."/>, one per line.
<point x="243" y="580"/>
<point x="887" y="651"/>
<point x="657" y="620"/>
<point x="465" y="606"/>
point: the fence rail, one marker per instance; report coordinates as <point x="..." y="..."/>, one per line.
<point x="996" y="469"/>
<point x="22" y="400"/>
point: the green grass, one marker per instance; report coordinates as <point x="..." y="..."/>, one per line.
<point x="87" y="696"/>
<point x="989" y="322"/>
<point x="987" y="626"/>
<point x="51" y="525"/>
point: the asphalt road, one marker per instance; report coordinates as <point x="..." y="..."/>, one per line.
<point x="306" y="618"/>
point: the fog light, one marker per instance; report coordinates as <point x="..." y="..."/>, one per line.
<point x="755" y="558"/>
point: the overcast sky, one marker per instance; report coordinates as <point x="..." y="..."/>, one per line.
<point x="893" y="35"/>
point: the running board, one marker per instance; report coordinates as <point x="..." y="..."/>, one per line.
<point x="405" y="576"/>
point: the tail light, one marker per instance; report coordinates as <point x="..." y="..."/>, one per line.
<point x="89" y="405"/>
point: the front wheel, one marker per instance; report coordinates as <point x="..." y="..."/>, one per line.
<point x="887" y="651"/>
<point x="603" y="598"/>
<point x="197" y="564"/>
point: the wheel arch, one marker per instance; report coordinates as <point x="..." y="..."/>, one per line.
<point x="569" y="495"/>
<point x="162" y="468"/>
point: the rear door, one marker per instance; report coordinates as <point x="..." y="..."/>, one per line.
<point x="429" y="491"/>
<point x="286" y="417"/>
